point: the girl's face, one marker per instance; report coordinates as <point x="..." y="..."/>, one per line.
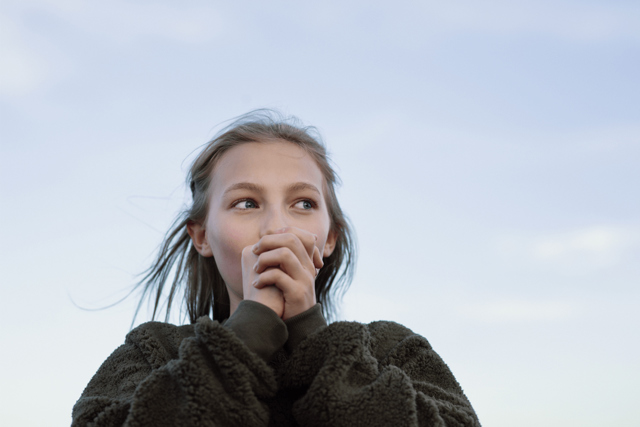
<point x="256" y="189"/>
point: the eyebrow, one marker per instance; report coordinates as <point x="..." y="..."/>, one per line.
<point x="298" y="186"/>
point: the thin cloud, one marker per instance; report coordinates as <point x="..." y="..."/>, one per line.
<point x="520" y="311"/>
<point x="595" y="242"/>
<point x="579" y="251"/>
<point x="428" y="21"/>
<point x="124" y="21"/>
<point x="21" y="67"/>
<point x="569" y="20"/>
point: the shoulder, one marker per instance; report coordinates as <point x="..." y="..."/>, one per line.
<point x="381" y="337"/>
<point x="159" y="342"/>
<point x="387" y="336"/>
<point x="397" y="345"/>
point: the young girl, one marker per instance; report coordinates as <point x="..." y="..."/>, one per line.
<point x="261" y="252"/>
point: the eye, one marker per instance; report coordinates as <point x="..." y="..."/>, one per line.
<point x="248" y="204"/>
<point x="306" y="204"/>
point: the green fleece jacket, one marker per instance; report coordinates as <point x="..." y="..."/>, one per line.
<point x="256" y="370"/>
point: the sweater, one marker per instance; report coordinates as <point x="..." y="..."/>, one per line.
<point x="254" y="369"/>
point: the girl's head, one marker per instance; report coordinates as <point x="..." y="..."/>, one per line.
<point x="260" y="174"/>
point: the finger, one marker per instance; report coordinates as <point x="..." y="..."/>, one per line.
<point x="285" y="237"/>
<point x="247" y="260"/>
<point x="274" y="277"/>
<point x="317" y="258"/>
<point x="287" y="261"/>
<point x="303" y="247"/>
<point x="307" y="238"/>
<point x="247" y="254"/>
<point x="292" y="292"/>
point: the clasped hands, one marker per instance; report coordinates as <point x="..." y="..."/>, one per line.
<point x="280" y="271"/>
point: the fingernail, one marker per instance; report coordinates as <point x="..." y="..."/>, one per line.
<point x="255" y="248"/>
<point x="255" y="267"/>
<point x="315" y="237"/>
<point x="255" y="283"/>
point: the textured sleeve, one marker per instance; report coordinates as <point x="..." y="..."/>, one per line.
<point x="302" y="325"/>
<point x="217" y="377"/>
<point x="379" y="374"/>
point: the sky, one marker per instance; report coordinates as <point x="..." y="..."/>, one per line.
<point x="488" y="153"/>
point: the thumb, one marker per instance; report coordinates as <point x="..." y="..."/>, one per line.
<point x="317" y="258"/>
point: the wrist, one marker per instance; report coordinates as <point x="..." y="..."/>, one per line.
<point x="299" y="327"/>
<point x="259" y="327"/>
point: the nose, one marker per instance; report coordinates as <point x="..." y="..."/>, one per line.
<point x="274" y="219"/>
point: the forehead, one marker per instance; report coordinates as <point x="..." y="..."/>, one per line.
<point x="271" y="163"/>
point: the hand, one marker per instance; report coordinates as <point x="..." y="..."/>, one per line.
<point x="287" y="261"/>
<point x="270" y="296"/>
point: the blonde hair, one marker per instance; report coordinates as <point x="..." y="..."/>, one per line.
<point x="205" y="293"/>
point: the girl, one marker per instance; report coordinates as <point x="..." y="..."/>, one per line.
<point x="262" y="250"/>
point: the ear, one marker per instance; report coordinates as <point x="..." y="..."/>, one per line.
<point x="199" y="238"/>
<point x="330" y="245"/>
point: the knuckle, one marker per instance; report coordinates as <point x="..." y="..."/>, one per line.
<point x="245" y="250"/>
<point x="266" y="273"/>
<point x="289" y="255"/>
<point x="310" y="245"/>
<point x="271" y="273"/>
<point x="283" y="252"/>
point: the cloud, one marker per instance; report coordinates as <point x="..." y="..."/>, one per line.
<point x="570" y="20"/>
<point x="520" y="311"/>
<point x="575" y="252"/>
<point x="28" y="60"/>
<point x="121" y="20"/>
<point x="21" y="67"/>
<point x="410" y="25"/>
<point x="599" y="243"/>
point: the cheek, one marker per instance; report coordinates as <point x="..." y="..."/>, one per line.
<point x="226" y="245"/>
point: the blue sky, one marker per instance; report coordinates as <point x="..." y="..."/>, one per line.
<point x="488" y="151"/>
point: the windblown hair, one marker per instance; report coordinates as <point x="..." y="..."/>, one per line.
<point x="205" y="293"/>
